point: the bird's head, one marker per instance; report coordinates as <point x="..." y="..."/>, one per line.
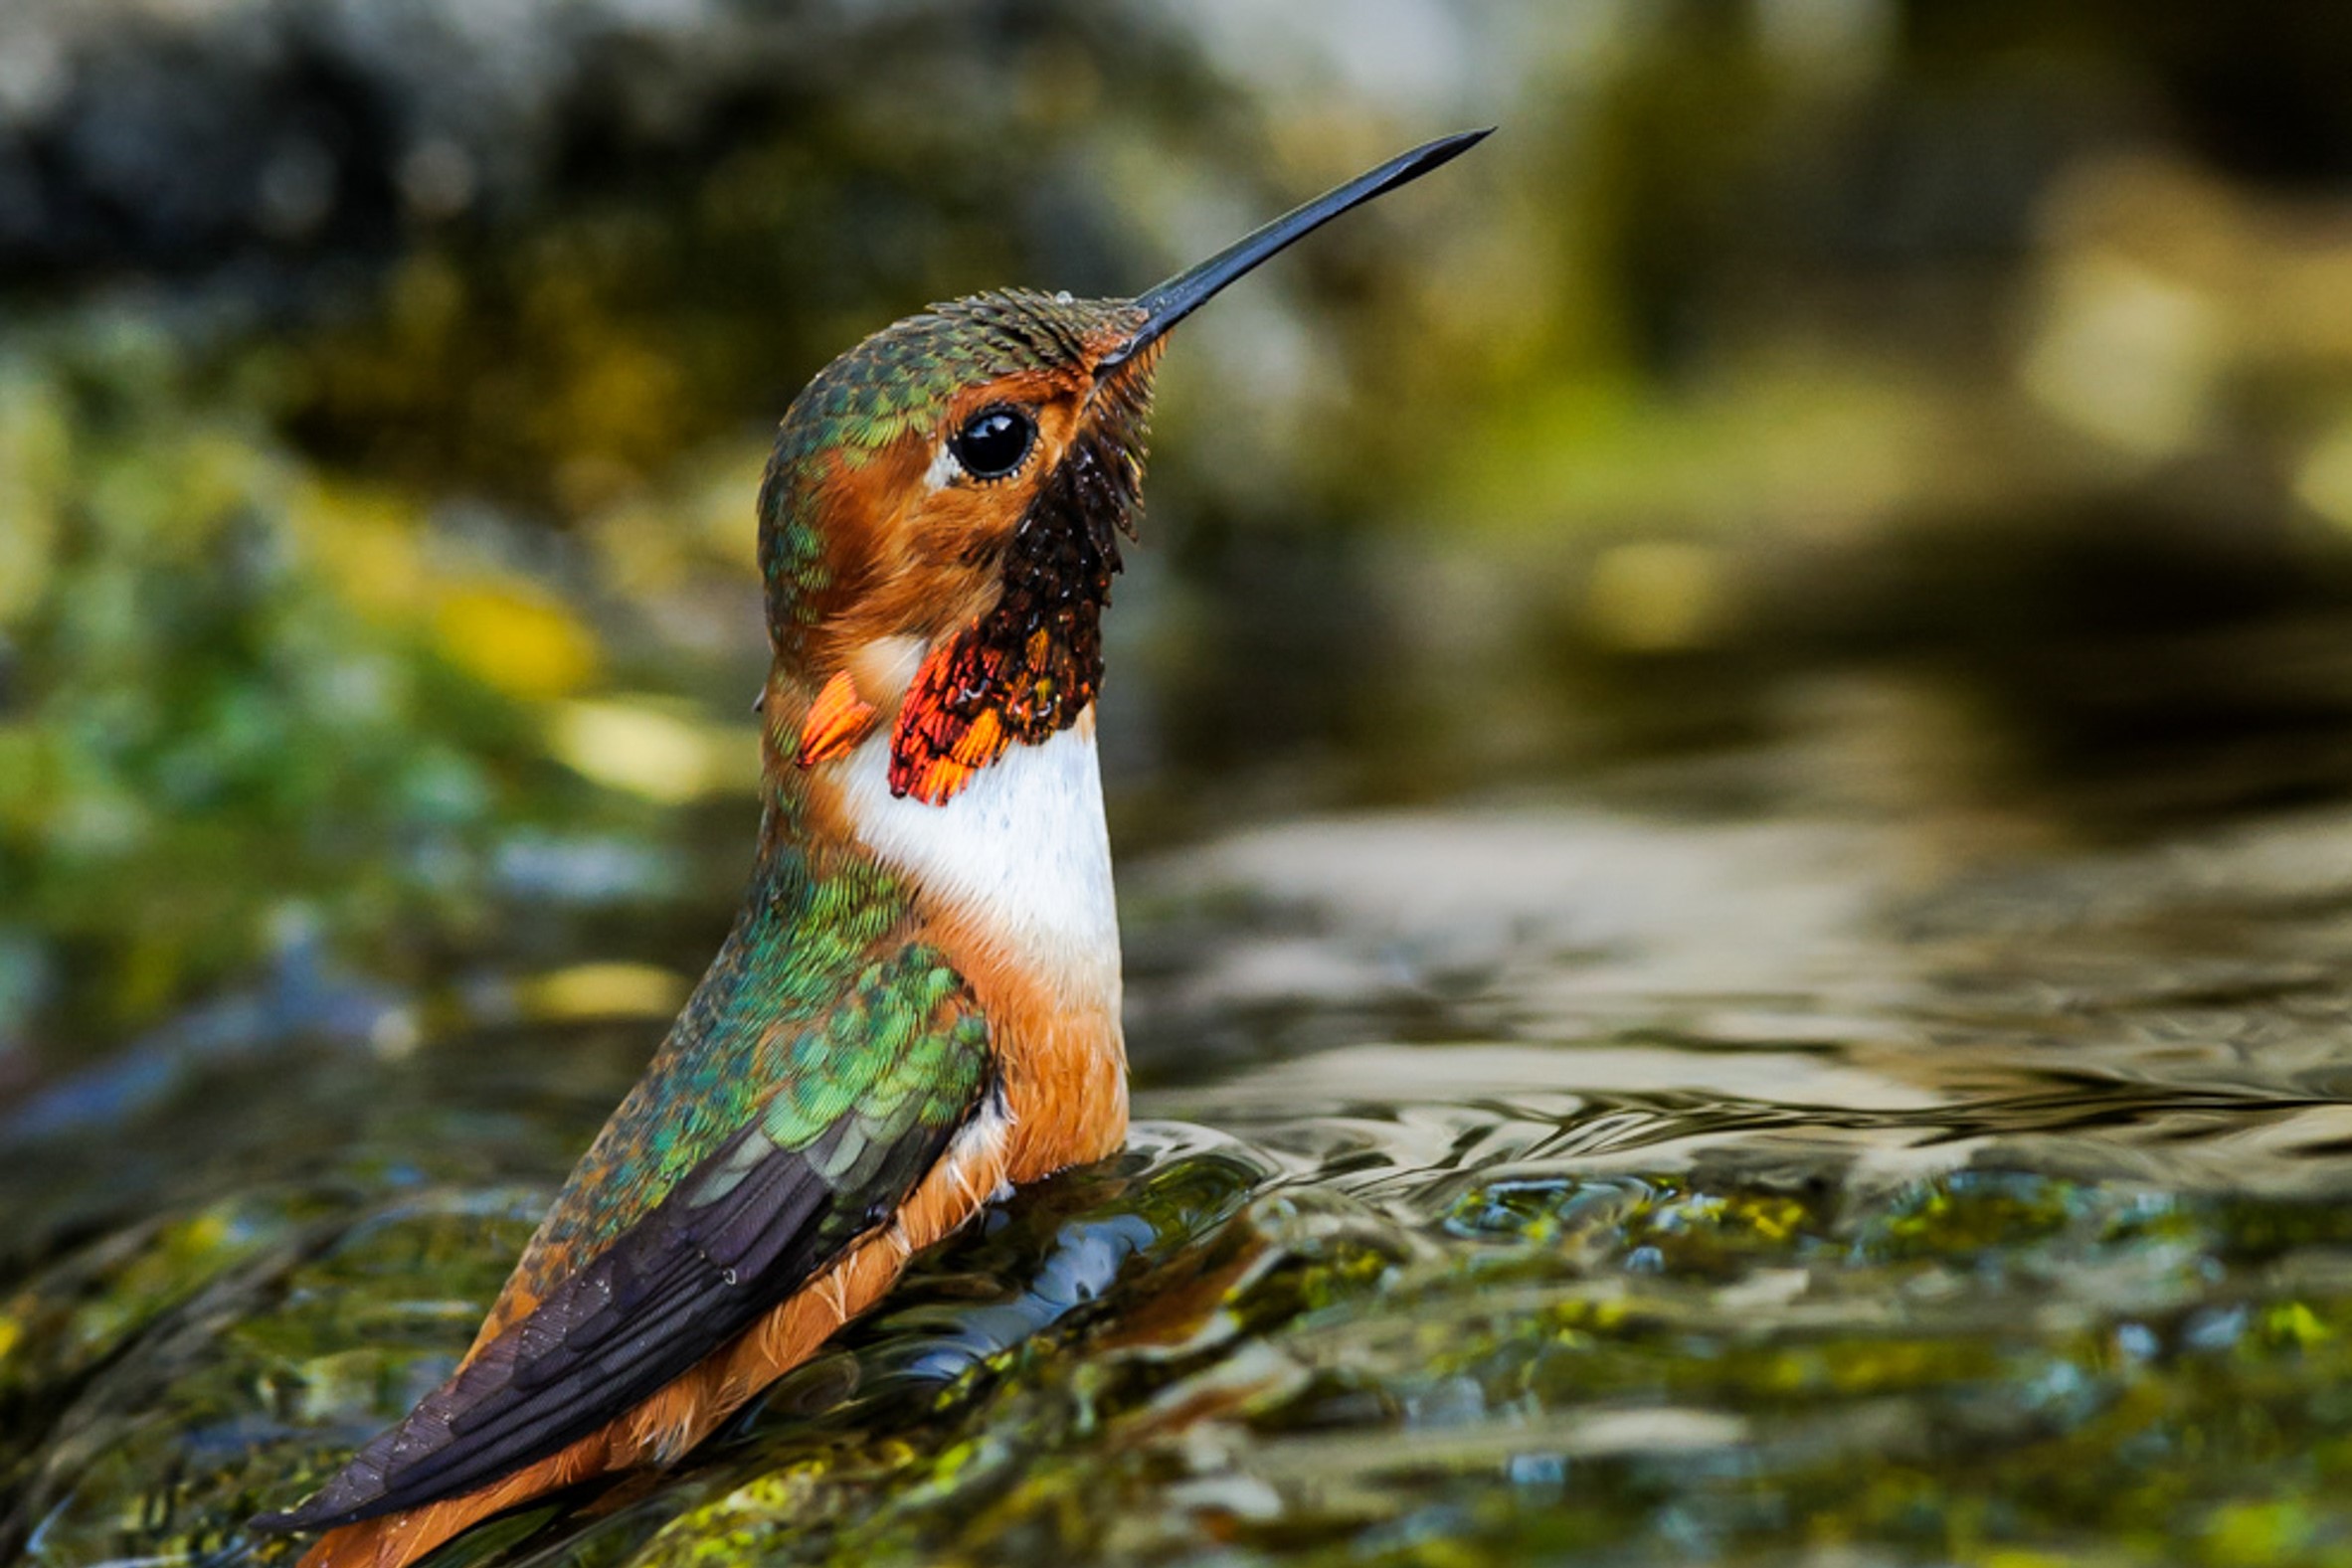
<point x="939" y="522"/>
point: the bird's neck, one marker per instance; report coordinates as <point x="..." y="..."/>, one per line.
<point x="1010" y="878"/>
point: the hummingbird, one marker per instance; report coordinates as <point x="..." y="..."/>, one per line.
<point x="917" y="1008"/>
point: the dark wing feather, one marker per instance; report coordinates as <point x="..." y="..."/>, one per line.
<point x="739" y="1234"/>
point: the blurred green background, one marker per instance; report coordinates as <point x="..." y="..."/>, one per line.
<point x="1949" y="405"/>
<point x="1730" y="746"/>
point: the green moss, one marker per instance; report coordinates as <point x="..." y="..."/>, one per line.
<point x="250" y="664"/>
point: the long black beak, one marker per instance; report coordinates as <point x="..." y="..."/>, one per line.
<point x="1188" y="290"/>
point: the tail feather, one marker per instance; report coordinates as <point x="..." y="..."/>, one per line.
<point x="393" y="1540"/>
<point x="658" y="1430"/>
<point x="682" y="1414"/>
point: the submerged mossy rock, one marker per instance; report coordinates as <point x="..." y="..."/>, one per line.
<point x="1211" y="1350"/>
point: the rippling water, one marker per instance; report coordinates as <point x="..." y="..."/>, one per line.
<point x="1511" y="1184"/>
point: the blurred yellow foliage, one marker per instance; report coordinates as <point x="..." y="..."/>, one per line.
<point x="2126" y="354"/>
<point x="2259" y="1531"/>
<point x="651" y="749"/>
<point x="515" y="638"/>
<point x="605" y="990"/>
<point x="365" y="539"/>
<point x="2323" y="481"/>
<point x="1656" y="596"/>
<point x="35" y="450"/>
<point x="511" y="635"/>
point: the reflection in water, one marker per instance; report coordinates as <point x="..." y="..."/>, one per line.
<point x="1727" y="1191"/>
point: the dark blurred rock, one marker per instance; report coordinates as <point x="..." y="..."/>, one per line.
<point x="178" y="138"/>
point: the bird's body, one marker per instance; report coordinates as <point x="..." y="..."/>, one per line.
<point x="918" y="1008"/>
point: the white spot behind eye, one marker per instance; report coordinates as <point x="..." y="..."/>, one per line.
<point x="944" y="469"/>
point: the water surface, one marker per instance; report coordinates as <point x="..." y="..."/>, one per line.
<point x="1513" y="1180"/>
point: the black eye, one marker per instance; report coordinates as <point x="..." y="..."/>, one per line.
<point x="993" y="442"/>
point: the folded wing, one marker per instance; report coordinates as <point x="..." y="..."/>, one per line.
<point x="740" y="1232"/>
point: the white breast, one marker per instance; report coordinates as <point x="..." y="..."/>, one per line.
<point x="1022" y="850"/>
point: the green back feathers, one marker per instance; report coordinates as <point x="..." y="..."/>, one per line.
<point x="815" y="1008"/>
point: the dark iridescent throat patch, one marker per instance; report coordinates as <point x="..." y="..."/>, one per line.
<point x="1024" y="671"/>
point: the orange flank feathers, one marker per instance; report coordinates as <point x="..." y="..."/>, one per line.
<point x="837" y="722"/>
